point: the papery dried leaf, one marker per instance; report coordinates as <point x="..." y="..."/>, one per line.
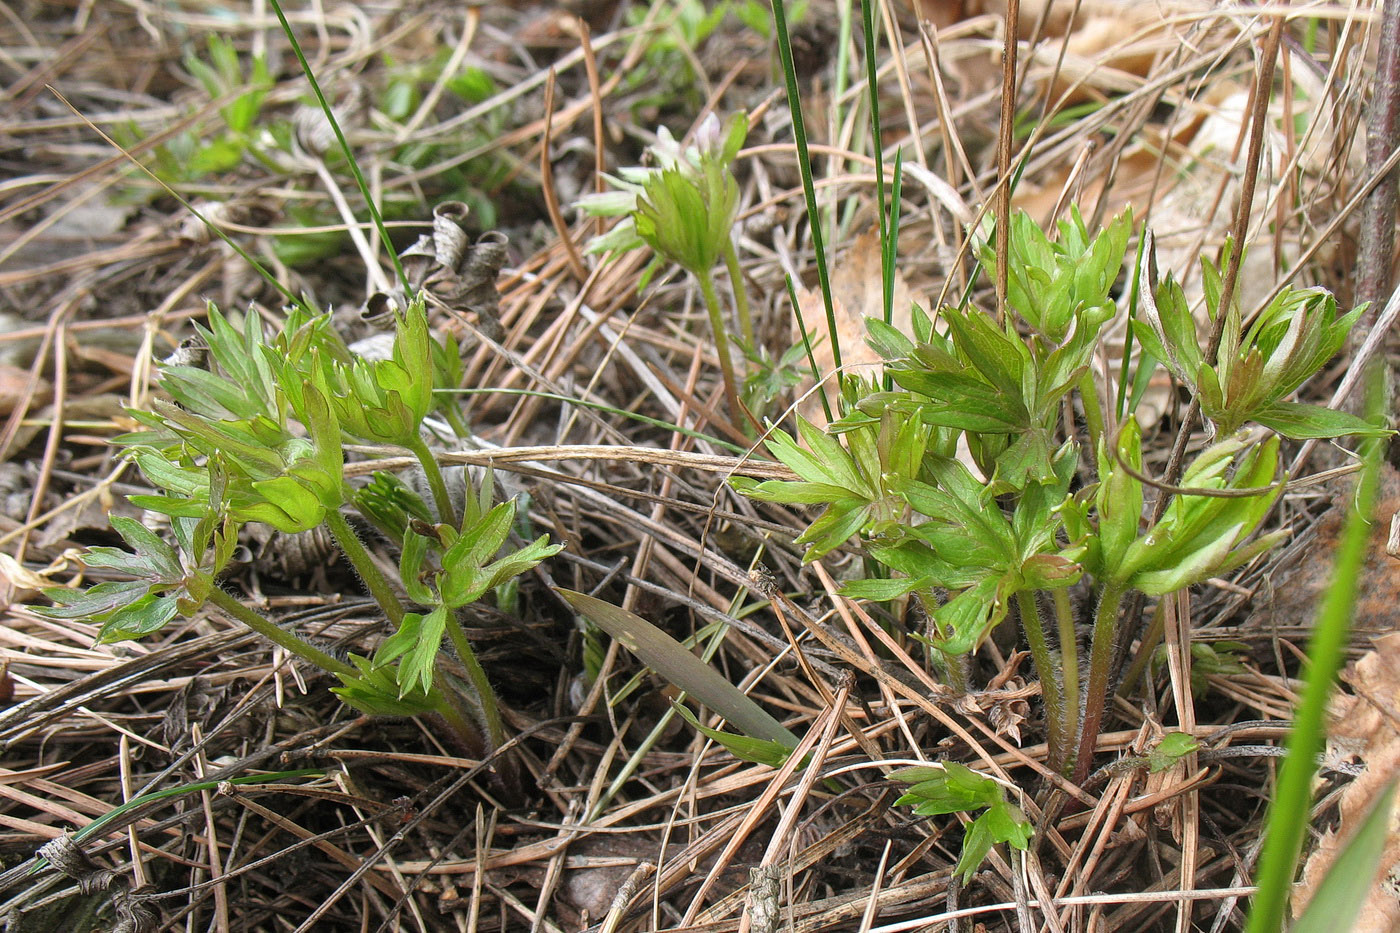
<point x="857" y="292"/>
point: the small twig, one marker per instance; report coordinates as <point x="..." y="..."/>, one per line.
<point x="1382" y="138"/>
<point x="551" y="198"/>
<point x="1245" y="492"/>
<point x="1005" y="140"/>
<point x="1176" y="462"/>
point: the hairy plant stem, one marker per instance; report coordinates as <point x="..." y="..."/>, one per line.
<point x="741" y="295"/>
<point x="279" y="636"/>
<point x="955" y="665"/>
<point x="447" y="513"/>
<point x="957" y="671"/>
<point x="726" y="365"/>
<point x="1049" y="677"/>
<point x="1100" y="664"/>
<point x="460" y="720"/>
<point x="364" y="565"/>
<point x="1093" y="411"/>
<point x="486" y="697"/>
<point x="1069" y="658"/>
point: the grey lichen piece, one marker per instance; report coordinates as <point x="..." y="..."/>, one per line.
<point x="764" y="907"/>
<point x="459" y="273"/>
<point x="134" y="912"/>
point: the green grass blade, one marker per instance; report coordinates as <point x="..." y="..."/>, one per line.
<point x="671" y="660"/>
<point x="1292" y="802"/>
<point x="599" y="406"/>
<point x="344" y="145"/>
<point x="889" y="243"/>
<point x="872" y="87"/>
<point x="1344" y="890"/>
<point x="110" y="816"/>
<point x="807" y="345"/>
<point x="804" y="165"/>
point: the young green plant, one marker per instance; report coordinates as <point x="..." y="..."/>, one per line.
<point x="684" y="209"/>
<point x="258" y="436"/>
<point x="1023" y="517"/>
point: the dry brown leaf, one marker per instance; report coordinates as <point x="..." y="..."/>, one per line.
<point x="1294" y="589"/>
<point x="856" y="293"/>
<point x="14" y="384"/>
<point x="18" y="584"/>
<point x="1366" y="726"/>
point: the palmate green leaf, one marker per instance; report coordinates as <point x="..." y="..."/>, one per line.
<point x="947" y="554"/>
<point x="1096" y="274"/>
<point x="95" y="602"/>
<point x="671" y="660"/>
<point x="1169" y="333"/>
<point x="967" y="618"/>
<point x="375" y="692"/>
<point x="788" y="492"/>
<point x="1194" y="538"/>
<point x="173" y="506"/>
<point x="887" y="341"/>
<point x="1119" y="498"/>
<point x="843" y="465"/>
<point x="878" y="590"/>
<point x="1001" y="359"/>
<point x="1299" y="422"/>
<point x="513" y="565"/>
<point x="963" y="401"/>
<point x="758" y="751"/>
<point x="803" y="462"/>
<point x="479" y="543"/>
<point x="1002" y="822"/>
<point x="146" y="566"/>
<point x="411" y="567"/>
<point x="143" y="616"/>
<point x="133" y="608"/>
<point x="1173" y="747"/>
<point x="1026" y="460"/>
<point x="208" y="394"/>
<point x="956" y="788"/>
<point x="977" y="509"/>
<point x="287" y="504"/>
<point x="415" y="671"/>
<point x="1049" y="572"/>
<point x="948" y="788"/>
<point x="833" y="528"/>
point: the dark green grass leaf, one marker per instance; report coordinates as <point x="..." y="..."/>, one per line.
<point x="671" y="660"/>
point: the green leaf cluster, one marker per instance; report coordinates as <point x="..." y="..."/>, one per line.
<point x="163" y="580"/>
<point x="1199" y="536"/>
<point x="955" y="788"/>
<point x="1035" y="509"/>
<point x="255" y="431"/>
<point x="1052" y="284"/>
<point x="683" y="206"/>
<point x="1258" y="367"/>
<point x="445" y="568"/>
<point x="1004" y="392"/>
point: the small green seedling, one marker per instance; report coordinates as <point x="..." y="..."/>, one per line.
<point x="950" y="787"/>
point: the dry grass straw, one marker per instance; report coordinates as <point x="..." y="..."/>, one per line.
<point x="399" y="834"/>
